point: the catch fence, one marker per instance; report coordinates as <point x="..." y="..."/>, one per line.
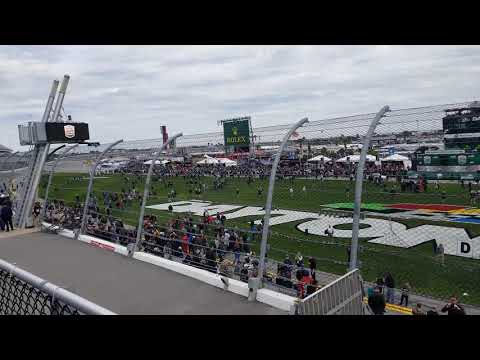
<point x="418" y="231"/>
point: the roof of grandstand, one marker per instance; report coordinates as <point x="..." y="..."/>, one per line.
<point x="4" y="149"/>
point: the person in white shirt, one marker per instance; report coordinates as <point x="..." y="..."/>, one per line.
<point x="226" y="239"/>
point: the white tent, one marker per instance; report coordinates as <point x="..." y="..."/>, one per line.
<point x="227" y="162"/>
<point x="320" y="158"/>
<point x="398" y="158"/>
<point x="208" y="161"/>
<point x="355" y="158"/>
<point x="157" y="162"/>
<point x="395" y="157"/>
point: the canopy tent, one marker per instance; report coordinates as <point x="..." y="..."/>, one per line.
<point x="227" y="162"/>
<point x="355" y="159"/>
<point x="157" y="162"/>
<point x="320" y="158"/>
<point x="208" y="161"/>
<point x="395" y="157"/>
<point x="398" y="158"/>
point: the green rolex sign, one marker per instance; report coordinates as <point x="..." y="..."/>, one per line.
<point x="236" y="133"/>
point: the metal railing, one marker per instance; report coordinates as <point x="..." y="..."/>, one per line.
<point x="22" y="293"/>
<point x="343" y="296"/>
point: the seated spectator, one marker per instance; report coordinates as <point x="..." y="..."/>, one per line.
<point x="453" y="307"/>
<point x="417" y="310"/>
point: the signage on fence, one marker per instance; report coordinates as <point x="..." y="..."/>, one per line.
<point x="102" y="246"/>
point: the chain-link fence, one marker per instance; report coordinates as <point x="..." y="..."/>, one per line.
<point x="209" y="212"/>
<point x="22" y="293"/>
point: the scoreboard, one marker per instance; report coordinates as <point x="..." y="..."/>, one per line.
<point x="462" y="129"/>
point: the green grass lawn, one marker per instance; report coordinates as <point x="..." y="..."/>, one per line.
<point x="415" y="265"/>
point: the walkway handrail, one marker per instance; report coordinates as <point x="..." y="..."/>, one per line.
<point x="56" y="292"/>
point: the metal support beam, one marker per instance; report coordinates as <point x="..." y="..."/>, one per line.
<point x="358" y="187"/>
<point x="90" y="186"/>
<point x="268" y="205"/>
<point x="61" y="96"/>
<point x="146" y="192"/>
<point x="50" y="100"/>
<point x="40" y="153"/>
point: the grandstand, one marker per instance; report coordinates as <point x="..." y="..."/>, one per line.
<point x="4" y="149"/>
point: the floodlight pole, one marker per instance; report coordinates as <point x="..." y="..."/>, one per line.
<point x="146" y="192"/>
<point x="268" y="205"/>
<point x="90" y="186"/>
<point x="358" y="187"/>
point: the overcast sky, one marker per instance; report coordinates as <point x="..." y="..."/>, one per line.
<point x="129" y="91"/>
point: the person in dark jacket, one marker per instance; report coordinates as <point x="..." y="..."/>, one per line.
<point x="377" y="302"/>
<point x="313" y="268"/>
<point x="390" y="285"/>
<point x="453" y="307"/>
<point x="6" y="215"/>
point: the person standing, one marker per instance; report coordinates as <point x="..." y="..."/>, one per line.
<point x="441" y="254"/>
<point x="390" y="285"/>
<point x="313" y="268"/>
<point x="376" y="301"/>
<point x="6" y="214"/>
<point x="405" y="292"/>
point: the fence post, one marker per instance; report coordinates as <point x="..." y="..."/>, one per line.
<point x="146" y="193"/>
<point x="90" y="185"/>
<point x="50" y="176"/>
<point x="359" y="186"/>
<point x="268" y="205"/>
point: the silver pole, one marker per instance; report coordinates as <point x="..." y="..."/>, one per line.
<point x="90" y="185"/>
<point x="359" y="186"/>
<point x="61" y="96"/>
<point x="146" y="192"/>
<point x="50" y="100"/>
<point x="50" y="176"/>
<point x="268" y="205"/>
